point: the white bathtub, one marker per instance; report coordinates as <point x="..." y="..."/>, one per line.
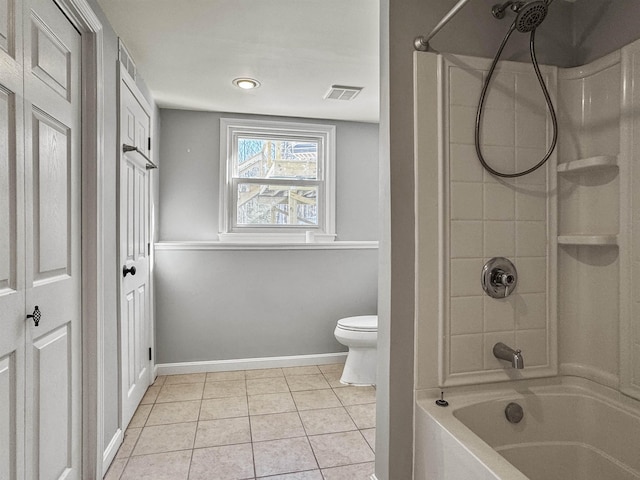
<point x="572" y="429"/>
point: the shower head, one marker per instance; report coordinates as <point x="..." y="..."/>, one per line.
<point x="529" y="15"/>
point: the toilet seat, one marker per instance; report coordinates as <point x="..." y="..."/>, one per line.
<point x="362" y="323"/>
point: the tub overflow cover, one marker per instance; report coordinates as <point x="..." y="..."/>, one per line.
<point x="442" y="402"/>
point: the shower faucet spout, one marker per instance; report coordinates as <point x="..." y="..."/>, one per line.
<point x="504" y="352"/>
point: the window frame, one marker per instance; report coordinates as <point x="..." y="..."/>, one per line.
<point x="233" y="128"/>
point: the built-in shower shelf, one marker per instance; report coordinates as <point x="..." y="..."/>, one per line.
<point x="588" y="240"/>
<point x="591" y="164"/>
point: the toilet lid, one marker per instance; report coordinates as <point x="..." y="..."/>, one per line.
<point x="363" y="323"/>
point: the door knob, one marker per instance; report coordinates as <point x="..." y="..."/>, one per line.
<point x="36" y="316"/>
<point x="131" y="270"/>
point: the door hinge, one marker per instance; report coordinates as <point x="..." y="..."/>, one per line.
<point x="149" y="144"/>
<point x="149" y="353"/>
<point x="148" y="249"/>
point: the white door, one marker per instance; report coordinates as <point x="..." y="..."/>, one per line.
<point x="134" y="250"/>
<point x="40" y="128"/>
<point x="53" y="242"/>
<point x="12" y="283"/>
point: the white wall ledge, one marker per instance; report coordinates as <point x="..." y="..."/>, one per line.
<point x="209" y="245"/>
<point x="276" y="237"/>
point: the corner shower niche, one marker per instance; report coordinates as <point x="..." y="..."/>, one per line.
<point x="588" y="150"/>
<point x="588" y="201"/>
<point x="597" y="299"/>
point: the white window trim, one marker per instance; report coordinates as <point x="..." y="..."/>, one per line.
<point x="324" y="232"/>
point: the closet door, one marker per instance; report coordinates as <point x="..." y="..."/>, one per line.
<point x="53" y="242"/>
<point x="12" y="282"/>
<point x="134" y="251"/>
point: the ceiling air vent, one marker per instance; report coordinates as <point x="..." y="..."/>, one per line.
<point x="341" y="92"/>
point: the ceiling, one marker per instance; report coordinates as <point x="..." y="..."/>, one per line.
<point x="188" y="52"/>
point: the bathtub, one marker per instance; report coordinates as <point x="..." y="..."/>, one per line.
<point x="572" y="429"/>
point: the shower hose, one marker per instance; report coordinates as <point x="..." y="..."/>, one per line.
<point x="485" y="87"/>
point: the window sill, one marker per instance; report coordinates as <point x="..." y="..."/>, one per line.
<point x="209" y="245"/>
<point x="278" y="238"/>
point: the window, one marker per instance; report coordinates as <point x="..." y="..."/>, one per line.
<point x="277" y="181"/>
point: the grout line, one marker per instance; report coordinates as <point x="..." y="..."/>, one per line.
<point x="253" y="453"/>
<point x="343" y="466"/>
<point x="191" y="458"/>
<point x="304" y="429"/>
<point x="351" y="417"/>
<point x="365" y="442"/>
<point x="207" y="447"/>
<point x="171" y="423"/>
<point x="162" y="452"/>
<point x="125" y="467"/>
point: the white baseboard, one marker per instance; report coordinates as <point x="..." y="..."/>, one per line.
<point x="250" y="363"/>
<point x="111" y="450"/>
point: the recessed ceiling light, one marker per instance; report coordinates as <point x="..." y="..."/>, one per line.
<point x="246" y="83"/>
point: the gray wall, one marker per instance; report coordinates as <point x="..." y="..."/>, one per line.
<point x="190" y="180"/>
<point x="574" y="33"/>
<point x="219" y="305"/>
<point x="474" y="31"/>
<point x="602" y="26"/>
<point x="234" y="304"/>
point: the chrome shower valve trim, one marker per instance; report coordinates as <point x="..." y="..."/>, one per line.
<point x="499" y="277"/>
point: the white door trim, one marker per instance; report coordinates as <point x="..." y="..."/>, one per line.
<point x="123" y="76"/>
<point x="87" y="23"/>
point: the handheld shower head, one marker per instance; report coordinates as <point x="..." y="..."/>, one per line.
<point x="530" y="15"/>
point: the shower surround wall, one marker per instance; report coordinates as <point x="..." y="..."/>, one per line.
<point x="588" y="218"/>
<point x="599" y="224"/>
<point x="574" y="33"/>
<point x="484" y="217"/>
<point x="579" y="214"/>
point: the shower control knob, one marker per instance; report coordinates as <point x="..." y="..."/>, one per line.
<point x="503" y="278"/>
<point x="499" y="277"/>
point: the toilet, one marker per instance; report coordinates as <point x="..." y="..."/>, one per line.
<point x="360" y="334"/>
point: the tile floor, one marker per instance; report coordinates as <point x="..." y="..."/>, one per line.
<point x="295" y="423"/>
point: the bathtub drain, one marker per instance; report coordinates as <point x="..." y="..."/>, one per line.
<point x="514" y="412"/>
